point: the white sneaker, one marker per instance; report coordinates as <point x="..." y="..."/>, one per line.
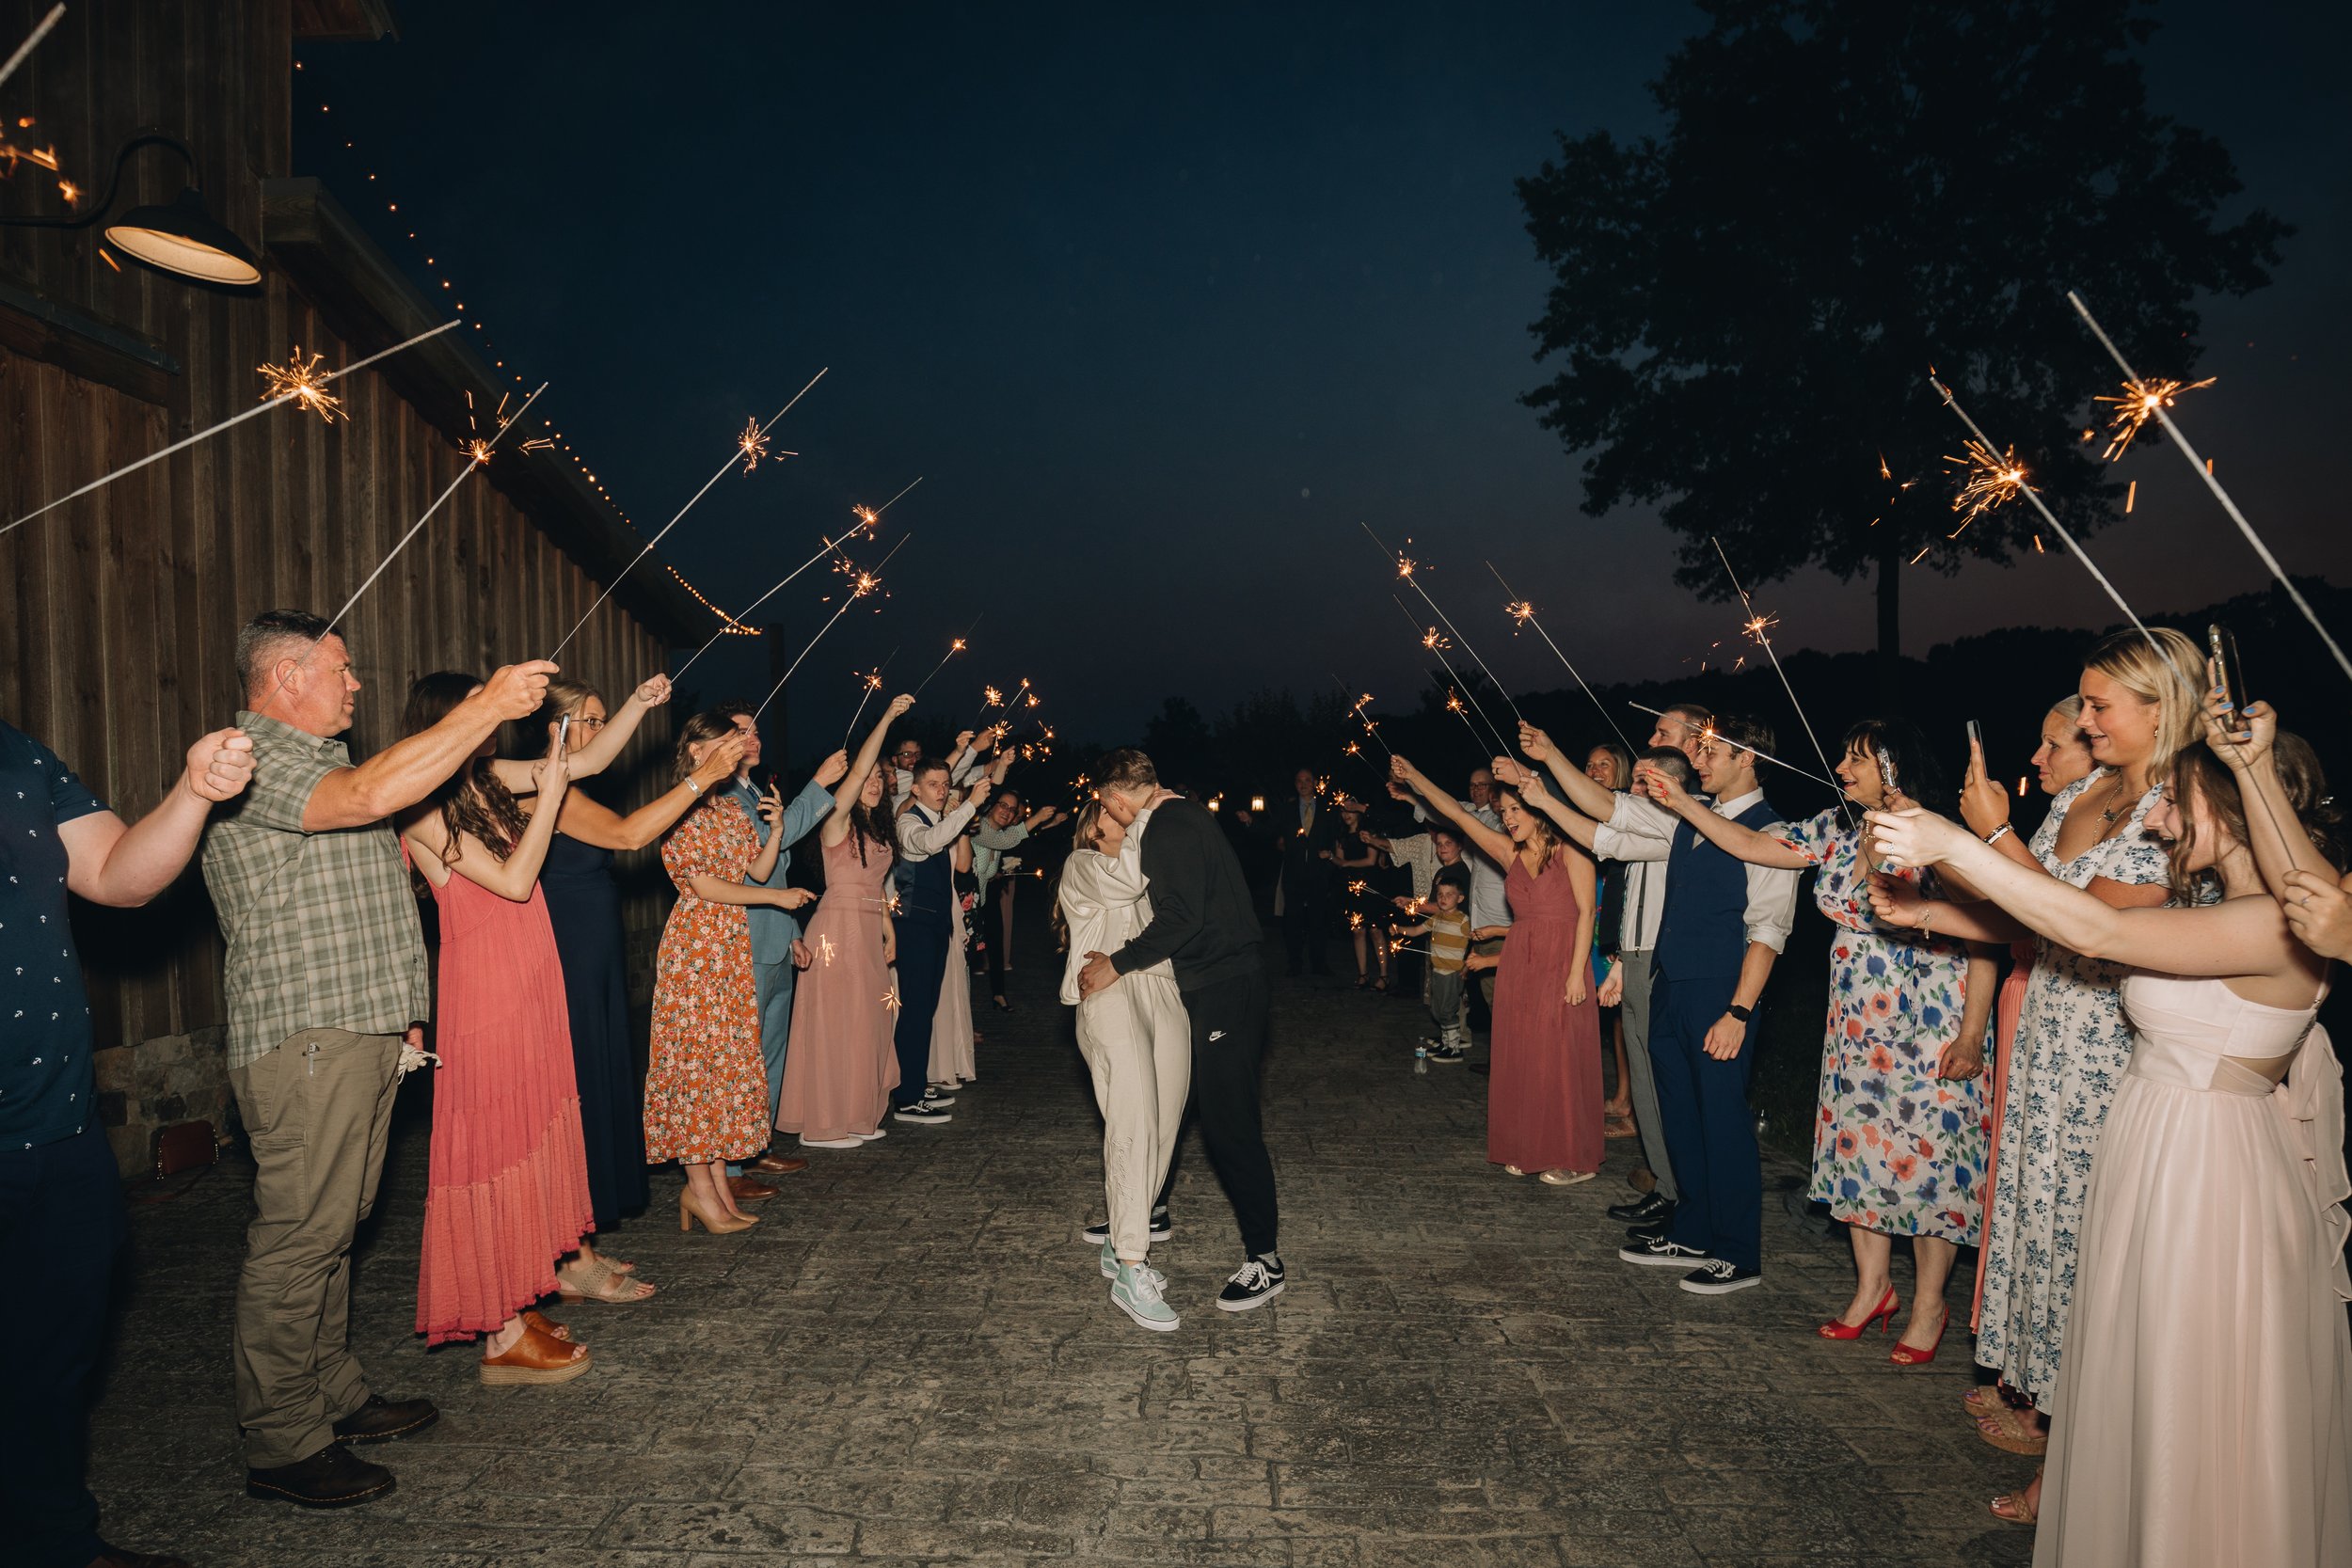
<point x="1138" y="1292"/>
<point x="808" y="1142"/>
<point x="869" y="1137"/>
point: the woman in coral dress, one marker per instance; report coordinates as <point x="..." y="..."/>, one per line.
<point x="841" y="1063"/>
<point x="507" y="1190"/>
<point x="1544" y="1095"/>
<point x="706" y="1084"/>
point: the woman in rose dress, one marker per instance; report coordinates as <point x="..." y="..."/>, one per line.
<point x="707" y="1087"/>
<point x="841" y="1063"/>
<point x="1544" y="1094"/>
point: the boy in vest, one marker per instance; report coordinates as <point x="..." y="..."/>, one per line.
<point x="1721" y="925"/>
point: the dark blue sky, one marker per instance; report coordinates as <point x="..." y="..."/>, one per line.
<point x="1162" y="308"/>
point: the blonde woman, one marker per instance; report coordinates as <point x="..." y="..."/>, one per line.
<point x="1136" y="1039"/>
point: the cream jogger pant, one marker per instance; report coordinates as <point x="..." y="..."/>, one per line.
<point x="1137" y="1041"/>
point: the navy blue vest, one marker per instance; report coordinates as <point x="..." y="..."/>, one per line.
<point x="1702" y="928"/>
<point x="927" y="888"/>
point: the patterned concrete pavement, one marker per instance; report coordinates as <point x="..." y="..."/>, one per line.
<point x="914" y="1361"/>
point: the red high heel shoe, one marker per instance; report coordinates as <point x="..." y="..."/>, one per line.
<point x="1905" y="1355"/>
<point x="1883" y="1315"/>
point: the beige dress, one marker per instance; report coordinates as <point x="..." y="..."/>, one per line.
<point x="2201" y="1416"/>
<point x="952" y="1062"/>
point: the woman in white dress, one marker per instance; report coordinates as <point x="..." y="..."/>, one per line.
<point x="1138" y="1042"/>
<point x="2203" y="1412"/>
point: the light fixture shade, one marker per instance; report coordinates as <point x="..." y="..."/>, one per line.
<point x="186" y="239"/>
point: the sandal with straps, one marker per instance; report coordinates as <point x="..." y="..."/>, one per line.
<point x="2010" y="1508"/>
<point x="535" y="1356"/>
<point x="599" y="1284"/>
<point x="2012" y="1432"/>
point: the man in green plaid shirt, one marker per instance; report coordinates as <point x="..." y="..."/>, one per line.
<point x="326" y="981"/>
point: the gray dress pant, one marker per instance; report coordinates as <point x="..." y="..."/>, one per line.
<point x="1635" y="1015"/>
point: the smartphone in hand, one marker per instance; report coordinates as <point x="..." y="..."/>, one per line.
<point x="2227" y="670"/>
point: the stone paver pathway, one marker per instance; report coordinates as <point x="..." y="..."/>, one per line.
<point x="912" y="1360"/>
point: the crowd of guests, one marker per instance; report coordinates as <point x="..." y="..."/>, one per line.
<point x="2139" y="1129"/>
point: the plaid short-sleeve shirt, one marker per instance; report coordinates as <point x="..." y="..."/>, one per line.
<point x="322" y="927"/>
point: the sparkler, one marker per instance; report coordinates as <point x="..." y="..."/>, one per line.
<point x="1760" y="627"/>
<point x="299" y="379"/>
<point x="2158" y="407"/>
<point x="1437" y="644"/>
<point x="871" y="682"/>
<point x="866" y="583"/>
<point x="953" y="649"/>
<point x="829" y="547"/>
<point x="1356" y="750"/>
<point x="2141" y="401"/>
<point x="1524" y="611"/>
<point x="477" y="453"/>
<point x="1356" y="711"/>
<point x="824" y="945"/>
<point x="1404" y="568"/>
<point x="40" y="31"/>
<point x="211" y="430"/>
<point x="733" y="454"/>
<point x="753" y="443"/>
<point x="890" y="999"/>
<point x="1993" y="479"/>
<point x="1708" y="733"/>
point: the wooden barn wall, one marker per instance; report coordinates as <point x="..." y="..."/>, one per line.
<point x="122" y="608"/>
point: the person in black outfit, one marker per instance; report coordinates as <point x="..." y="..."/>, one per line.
<point x="1202" y="923"/>
<point x="1303" y="831"/>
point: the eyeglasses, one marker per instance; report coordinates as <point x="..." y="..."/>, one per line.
<point x="586" y="723"/>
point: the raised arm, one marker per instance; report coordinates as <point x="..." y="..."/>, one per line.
<point x="1595" y="800"/>
<point x="1530" y="783"/>
<point x="108" y="862"/>
<point x="845" y="794"/>
<point x="1494" y="846"/>
<point x="597" y="754"/>
<point x="411" y="769"/>
<point x="2248" y="744"/>
<point x="1739" y="843"/>
<point x="514" y="878"/>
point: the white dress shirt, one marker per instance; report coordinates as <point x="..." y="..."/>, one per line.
<point x="919" y="839"/>
<point x="962" y="771"/>
<point x="1638" y="829"/>
<point x="1488" y="903"/>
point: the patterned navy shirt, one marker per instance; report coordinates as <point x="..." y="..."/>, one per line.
<point x="46" y="1091"/>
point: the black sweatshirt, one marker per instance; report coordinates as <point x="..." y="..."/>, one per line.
<point x="1201" y="915"/>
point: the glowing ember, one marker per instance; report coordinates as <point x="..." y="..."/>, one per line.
<point x="753" y="443"/>
<point x="1992" y="479"/>
<point x="991" y="697"/>
<point x="1521" y="612"/>
<point x="890" y="999"/>
<point x="477" y="451"/>
<point x="299" y="379"/>
<point x="1435" y="641"/>
<point x="867" y="516"/>
<point x="2138" y="405"/>
<point x="1407" y="566"/>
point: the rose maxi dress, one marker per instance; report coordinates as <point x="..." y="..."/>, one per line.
<point x="1544" y="1094"/>
<point x="507" y="1192"/>
<point x="841" y="1063"/>
<point x="706" y="1086"/>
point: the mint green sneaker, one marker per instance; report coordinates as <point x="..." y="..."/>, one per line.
<point x="1110" y="1261"/>
<point x="1137" y="1291"/>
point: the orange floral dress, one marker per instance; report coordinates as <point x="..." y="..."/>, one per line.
<point x="705" y="1087"/>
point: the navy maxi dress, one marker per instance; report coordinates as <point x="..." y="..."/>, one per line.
<point x="584" y="907"/>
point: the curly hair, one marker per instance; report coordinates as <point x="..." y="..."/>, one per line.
<point x="472" y="801"/>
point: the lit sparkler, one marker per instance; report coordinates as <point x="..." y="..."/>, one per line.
<point x="1708" y="733"/>
<point x="867" y="582"/>
<point x="734" y="621"/>
<point x="299" y="379"/>
<point x="2161" y="413"/>
<point x="1993" y="479"/>
<point x="953" y="649"/>
<point x="735" y="452"/>
<point x="1760" y="627"/>
<point x="824" y="945"/>
<point x="1454" y="699"/>
<point x="210" y="431"/>
<point x="890" y="999"/>
<point x="1523" y="613"/>
<point x="1404" y="569"/>
<point x="871" y="683"/>
<point x="2141" y="401"/>
<point x="752" y="444"/>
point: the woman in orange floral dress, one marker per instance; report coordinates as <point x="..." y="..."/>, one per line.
<point x="706" y="1087"/>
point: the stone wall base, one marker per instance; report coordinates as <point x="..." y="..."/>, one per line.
<point x="145" y="1088"/>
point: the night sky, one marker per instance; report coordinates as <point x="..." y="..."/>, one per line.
<point x="1162" y="308"/>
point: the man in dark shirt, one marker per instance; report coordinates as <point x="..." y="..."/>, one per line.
<point x="60" y="1201"/>
<point x="1203" y="922"/>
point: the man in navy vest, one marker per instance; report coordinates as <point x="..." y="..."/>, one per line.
<point x="1721" y="925"/>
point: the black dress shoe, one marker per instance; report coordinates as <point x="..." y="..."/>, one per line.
<point x="332" y="1477"/>
<point x="117" y="1556"/>
<point x="380" y="1419"/>
<point x="1649" y="1206"/>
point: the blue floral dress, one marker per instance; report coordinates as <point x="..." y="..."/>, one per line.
<point x="2064" y="1067"/>
<point x="1895" y="1147"/>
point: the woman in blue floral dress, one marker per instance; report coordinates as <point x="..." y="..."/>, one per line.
<point x="1900" y="1145"/>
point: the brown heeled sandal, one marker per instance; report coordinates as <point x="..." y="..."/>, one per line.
<point x="536" y="1357"/>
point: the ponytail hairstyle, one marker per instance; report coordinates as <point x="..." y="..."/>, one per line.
<point x="472" y="801"/>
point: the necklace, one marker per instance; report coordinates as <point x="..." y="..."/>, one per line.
<point x="2115" y="794"/>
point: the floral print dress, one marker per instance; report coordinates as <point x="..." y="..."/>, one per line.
<point x="706" y="1086"/>
<point x="1896" y="1149"/>
<point x="2072" y="1046"/>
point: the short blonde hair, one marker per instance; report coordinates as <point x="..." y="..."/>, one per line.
<point x="2165" y="668"/>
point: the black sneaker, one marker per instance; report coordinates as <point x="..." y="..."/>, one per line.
<point x="1100" y="1232"/>
<point x="1649" y="1230"/>
<point x="332" y="1477"/>
<point x="1657" y="1250"/>
<point x="1719" y="1276"/>
<point x="938" y="1095"/>
<point x="1648" y="1207"/>
<point x="380" y="1419"/>
<point x="1253" y="1284"/>
<point x="1447" y="1054"/>
<point x="922" y="1111"/>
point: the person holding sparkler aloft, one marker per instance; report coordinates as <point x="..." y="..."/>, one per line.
<point x="1447" y="927"/>
<point x="1356" y="861"/>
<point x="1618" y="819"/>
<point x="840" y="1068"/>
<point x="1136" y="1039"/>
<point x="1899" y="1142"/>
<point x="927" y="830"/>
<point x="327" y="988"/>
<point x="2202" y="1414"/>
<point x="507" y="1194"/>
<point x="964" y="764"/>
<point x="1610" y="766"/>
<point x="1544" y="1094"/>
<point x="706" y="1090"/>
<point x="1000" y="832"/>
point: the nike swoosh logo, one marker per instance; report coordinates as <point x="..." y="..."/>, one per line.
<point x="1216" y="1034"/>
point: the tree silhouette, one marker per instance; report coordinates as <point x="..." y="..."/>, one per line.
<point x="1849" y="193"/>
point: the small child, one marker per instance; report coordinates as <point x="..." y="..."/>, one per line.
<point x="1447" y="929"/>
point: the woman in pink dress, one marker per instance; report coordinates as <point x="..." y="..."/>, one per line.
<point x="840" y="1064"/>
<point x="1544" y="1095"/>
<point x="507" y="1192"/>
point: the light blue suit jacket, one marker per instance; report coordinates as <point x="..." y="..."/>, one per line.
<point x="773" y="931"/>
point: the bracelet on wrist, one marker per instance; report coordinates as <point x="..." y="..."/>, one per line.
<point x="693" y="784"/>
<point x="1996" y="834"/>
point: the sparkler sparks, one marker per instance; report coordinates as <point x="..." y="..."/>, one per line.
<point x="299" y="379"/>
<point x="2141" y="402"/>
<point x="1993" y="479"/>
<point x="824" y="945"/>
<point x="1435" y="641"/>
<point x="890" y="999"/>
<point x="1522" y="612"/>
<point x="753" y="443"/>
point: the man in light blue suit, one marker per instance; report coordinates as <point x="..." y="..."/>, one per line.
<point x="776" y="932"/>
